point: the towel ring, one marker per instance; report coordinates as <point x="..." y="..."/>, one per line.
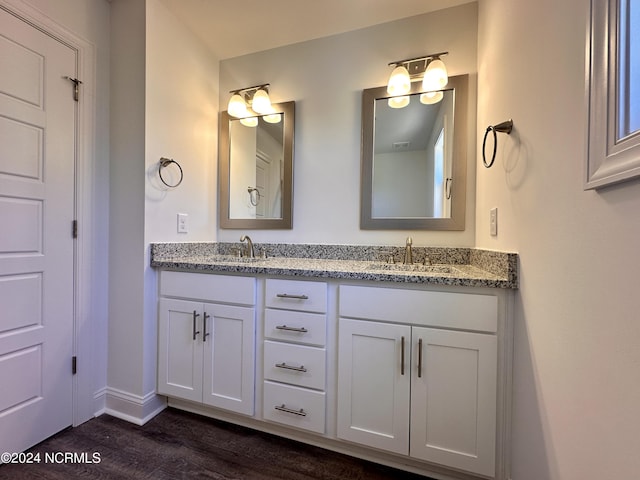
<point x="504" y="127"/>
<point x="165" y="162"/>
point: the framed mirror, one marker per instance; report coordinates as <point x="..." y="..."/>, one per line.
<point x="256" y="170"/>
<point x="414" y="159"/>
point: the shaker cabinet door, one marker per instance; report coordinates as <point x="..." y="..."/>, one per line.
<point x="179" y="349"/>
<point x="228" y="339"/>
<point x="373" y="384"/>
<point x="453" y="399"/>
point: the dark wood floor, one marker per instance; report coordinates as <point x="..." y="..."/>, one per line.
<point x="180" y="445"/>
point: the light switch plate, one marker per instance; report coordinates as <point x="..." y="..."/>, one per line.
<point x="183" y="223"/>
<point x="493" y="221"/>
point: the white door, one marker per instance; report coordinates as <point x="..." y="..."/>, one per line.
<point x="37" y="150"/>
<point x="373" y="384"/>
<point x="180" y="333"/>
<point x="229" y="357"/>
<point x="453" y="399"/>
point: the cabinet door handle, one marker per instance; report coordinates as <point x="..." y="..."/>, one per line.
<point x="420" y="358"/>
<point x="205" y="334"/>
<point x="291" y="329"/>
<point x="402" y="356"/>
<point x="284" y="408"/>
<point x="297" y="297"/>
<point x="195" y="317"/>
<point x="301" y="368"/>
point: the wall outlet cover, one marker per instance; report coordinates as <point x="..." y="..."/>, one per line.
<point x="493" y="222"/>
<point x="183" y="223"/>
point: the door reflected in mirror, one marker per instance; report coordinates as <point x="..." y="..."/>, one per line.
<point x="256" y="169"/>
<point x="256" y="172"/>
<point x="414" y="159"/>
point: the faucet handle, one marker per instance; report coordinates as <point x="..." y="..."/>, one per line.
<point x="409" y="241"/>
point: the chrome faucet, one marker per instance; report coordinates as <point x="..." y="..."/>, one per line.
<point x="250" y="251"/>
<point x="408" y="255"/>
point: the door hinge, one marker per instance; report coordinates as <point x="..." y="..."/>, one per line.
<point x="74" y="365"/>
<point x="76" y="87"/>
<point x="74" y="229"/>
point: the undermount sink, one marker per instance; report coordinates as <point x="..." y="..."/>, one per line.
<point x="235" y="259"/>
<point x="416" y="267"/>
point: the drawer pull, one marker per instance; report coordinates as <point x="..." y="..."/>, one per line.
<point x="195" y="317"/>
<point x="291" y="329"/>
<point x="301" y="368"/>
<point x="297" y="297"/>
<point x="283" y="408"/>
<point x="402" y="357"/>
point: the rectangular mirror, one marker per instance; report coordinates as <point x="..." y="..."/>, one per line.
<point x="256" y="170"/>
<point x="414" y="159"/>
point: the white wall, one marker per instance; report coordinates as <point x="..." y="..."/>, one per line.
<point x="164" y="104"/>
<point x="181" y="123"/>
<point x="126" y="369"/>
<point x="181" y="113"/>
<point x="577" y="322"/>
<point x="325" y="78"/>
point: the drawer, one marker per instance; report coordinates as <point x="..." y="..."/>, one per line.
<point x="294" y="406"/>
<point x="296" y="295"/>
<point x="295" y="364"/>
<point x="419" y="307"/>
<point x="208" y="287"/>
<point x="298" y="327"/>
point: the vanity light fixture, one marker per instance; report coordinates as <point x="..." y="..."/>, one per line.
<point x="430" y="69"/>
<point x="249" y="103"/>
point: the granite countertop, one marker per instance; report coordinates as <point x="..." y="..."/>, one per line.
<point x="455" y="266"/>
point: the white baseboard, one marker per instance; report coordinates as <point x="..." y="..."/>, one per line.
<point x="132" y="408"/>
<point x="100" y="401"/>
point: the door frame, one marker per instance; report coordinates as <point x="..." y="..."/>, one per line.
<point x="85" y="406"/>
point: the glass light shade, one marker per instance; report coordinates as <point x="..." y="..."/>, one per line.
<point x="399" y="81"/>
<point x="435" y="77"/>
<point x="273" y="118"/>
<point x="236" y="107"/>
<point x="249" y="121"/>
<point x="429" y="98"/>
<point x="261" y="102"/>
<point x="398" y="102"/>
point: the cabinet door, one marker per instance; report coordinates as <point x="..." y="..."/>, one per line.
<point x="453" y="399"/>
<point x="373" y="384"/>
<point x="229" y="357"/>
<point x="180" y="349"/>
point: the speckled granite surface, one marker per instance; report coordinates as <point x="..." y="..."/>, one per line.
<point x="452" y="266"/>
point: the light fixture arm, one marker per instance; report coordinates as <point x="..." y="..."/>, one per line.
<point x="431" y="56"/>
<point x="249" y="91"/>
<point x="418" y="65"/>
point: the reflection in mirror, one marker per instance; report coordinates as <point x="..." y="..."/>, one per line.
<point x="414" y="159"/>
<point x="257" y="170"/>
<point x="256" y="161"/>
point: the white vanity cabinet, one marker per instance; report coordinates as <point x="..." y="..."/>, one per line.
<point x="417" y="374"/>
<point x="294" y="363"/>
<point x="206" y="332"/>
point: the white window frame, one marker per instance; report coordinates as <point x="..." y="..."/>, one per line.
<point x="608" y="159"/>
